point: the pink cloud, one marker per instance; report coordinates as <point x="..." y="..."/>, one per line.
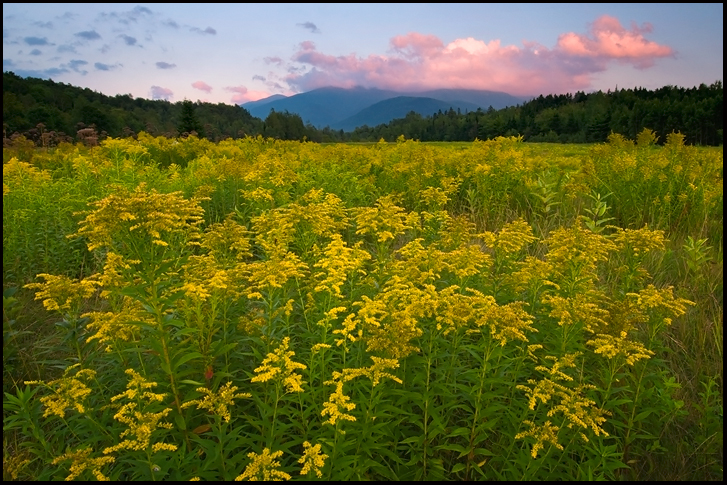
<point x="202" y="86"/>
<point x="609" y="40"/>
<point x="418" y="62"/>
<point x="243" y="95"/>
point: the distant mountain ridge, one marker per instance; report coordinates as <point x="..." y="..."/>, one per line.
<point x="348" y="109"/>
<point x="393" y="108"/>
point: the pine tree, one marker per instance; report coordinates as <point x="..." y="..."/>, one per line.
<point x="188" y="121"/>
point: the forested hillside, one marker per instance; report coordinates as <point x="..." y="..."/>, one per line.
<point x="47" y="113"/>
<point x="580" y="118"/>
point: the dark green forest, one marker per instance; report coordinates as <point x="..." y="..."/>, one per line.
<point x="49" y="113"/>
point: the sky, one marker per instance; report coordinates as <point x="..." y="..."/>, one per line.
<point x="235" y="53"/>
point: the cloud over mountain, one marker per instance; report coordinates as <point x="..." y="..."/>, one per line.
<point x="419" y="62"/>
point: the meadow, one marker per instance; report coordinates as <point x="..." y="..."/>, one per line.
<point x="177" y="309"/>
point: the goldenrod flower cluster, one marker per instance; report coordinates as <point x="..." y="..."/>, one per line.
<point x="610" y="347"/>
<point x="532" y="274"/>
<point x="512" y="238"/>
<point x="580" y="410"/>
<point x="391" y="321"/>
<point x="347" y="332"/>
<point x="110" y="327"/>
<point x="157" y="216"/>
<point x="575" y="253"/>
<point x="81" y="461"/>
<point x="509" y="322"/>
<point x="141" y="424"/>
<point x="576" y="408"/>
<point x="62" y="294"/>
<point x="579" y="309"/>
<point x="418" y="264"/>
<point x="226" y="241"/>
<point x="113" y="278"/>
<point x="337" y="406"/>
<point x="312" y="460"/>
<point x="264" y="467"/>
<point x="217" y="403"/>
<point x="639" y="241"/>
<point x="337" y="264"/>
<point x="652" y="297"/>
<point x="324" y="216"/>
<point x="203" y="278"/>
<point x="275" y="231"/>
<point x="434" y="197"/>
<point x="68" y="392"/>
<point x="278" y="365"/>
<point x="338" y="403"/>
<point x="17" y="173"/>
<point x="542" y="434"/>
<point x="273" y="273"/>
<point x="14" y="463"/>
<point x="385" y="221"/>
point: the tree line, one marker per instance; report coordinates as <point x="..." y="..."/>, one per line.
<point x="48" y="113"/>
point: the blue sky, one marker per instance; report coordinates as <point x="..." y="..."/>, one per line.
<point x="243" y="52"/>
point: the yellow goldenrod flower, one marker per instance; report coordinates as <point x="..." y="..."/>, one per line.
<point x="652" y="297"/>
<point x="581" y="411"/>
<point x="337" y="264"/>
<point x="278" y="365"/>
<point x="318" y="347"/>
<point x="81" y="461"/>
<point x="62" y="294"/>
<point x="217" y="403"/>
<point x="545" y="433"/>
<point x="639" y="241"/>
<point x="610" y="346"/>
<point x="159" y="218"/>
<point x="385" y="221"/>
<point x="312" y="460"/>
<point x="511" y="238"/>
<point x="337" y="405"/>
<point x="227" y="241"/>
<point x="68" y="392"/>
<point x="264" y="467"/>
<point x="140" y="424"/>
<point x="273" y="273"/>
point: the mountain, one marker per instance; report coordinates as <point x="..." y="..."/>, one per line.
<point x="482" y="99"/>
<point x="324" y="106"/>
<point x="335" y="107"/>
<point x="263" y="101"/>
<point x="393" y="108"/>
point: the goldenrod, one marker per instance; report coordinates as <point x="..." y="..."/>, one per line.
<point x="140" y="424"/>
<point x="81" y="461"/>
<point x="278" y="365"/>
<point x="62" y="294"/>
<point x="545" y="433"/>
<point x="264" y="467"/>
<point x="337" y="405"/>
<point x="217" y="403"/>
<point x="312" y="460"/>
<point x="610" y="347"/>
<point x="68" y="392"/>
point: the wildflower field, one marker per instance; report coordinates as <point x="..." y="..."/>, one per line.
<point x="176" y="309"/>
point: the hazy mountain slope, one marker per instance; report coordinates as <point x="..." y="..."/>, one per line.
<point x="325" y="106"/>
<point x="335" y="107"/>
<point x="399" y="107"/>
